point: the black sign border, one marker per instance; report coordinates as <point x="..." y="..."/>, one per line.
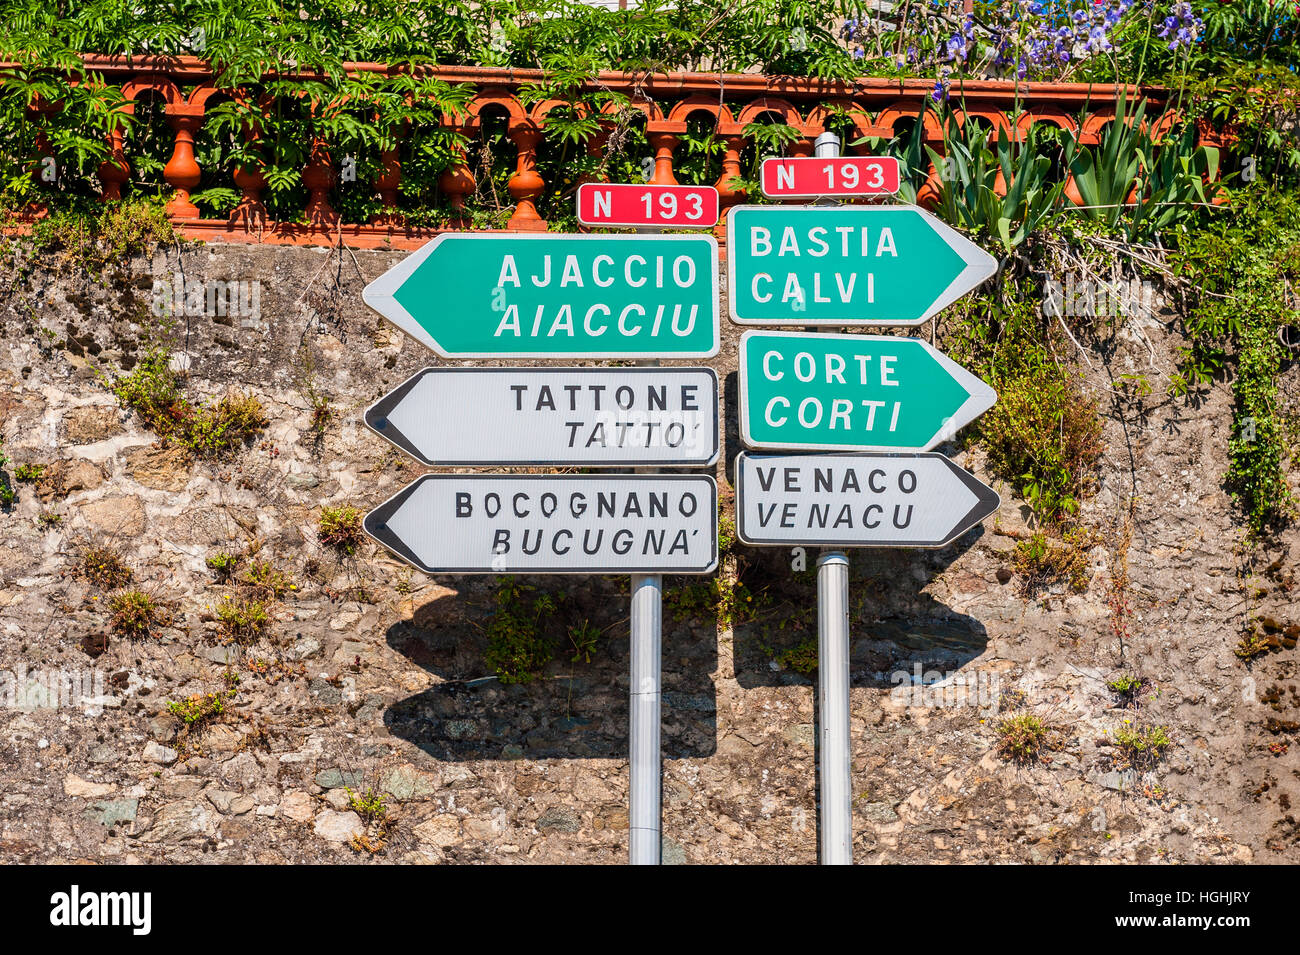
<point x="382" y="408"/>
<point x="987" y="503"/>
<point x="376" y="524"/>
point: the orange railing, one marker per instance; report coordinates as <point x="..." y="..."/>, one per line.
<point x="186" y="86"/>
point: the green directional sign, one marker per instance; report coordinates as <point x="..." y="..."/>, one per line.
<point x="479" y="295"/>
<point x="852" y="393"/>
<point x="846" y="265"/>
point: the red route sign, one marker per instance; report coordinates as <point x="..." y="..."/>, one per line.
<point x="807" y="177"/>
<point x="647" y="206"/>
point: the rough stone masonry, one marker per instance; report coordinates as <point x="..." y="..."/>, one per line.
<point x="371" y="681"/>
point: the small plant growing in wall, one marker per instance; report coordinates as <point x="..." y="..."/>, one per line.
<point x="583" y="637"/>
<point x="265" y="580"/>
<point x="241" y="619"/>
<point x="518" y="647"/>
<point x="135" y="613"/>
<point x="7" y="493"/>
<point x="1126" y="686"/>
<point x="801" y="658"/>
<point x="223" y="566"/>
<point x="199" y="709"/>
<point x="1022" y="737"/>
<point x="1142" y="746"/>
<point x="29" y="473"/>
<point x="104" y="567"/>
<point x="206" y="431"/>
<point x="340" y="528"/>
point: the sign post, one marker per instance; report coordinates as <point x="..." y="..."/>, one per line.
<point x="848" y="265"/>
<point x="651" y="207"/>
<point x="638" y="297"/>
<point x="833" y="708"/>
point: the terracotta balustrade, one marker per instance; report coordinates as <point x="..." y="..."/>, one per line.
<point x="727" y="103"/>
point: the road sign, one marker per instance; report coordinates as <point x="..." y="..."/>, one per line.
<point x="846" y="265"/>
<point x="552" y="524"/>
<point x="647" y="206"/>
<point x="807" y="177"/>
<point x="857" y="500"/>
<point x="590" y="417"/>
<point x="852" y="393"/>
<point x="477" y="295"/>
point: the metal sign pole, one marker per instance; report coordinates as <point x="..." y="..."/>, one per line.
<point x="833" y="676"/>
<point x="645" y="767"/>
<point x="644" y="835"/>
<point x="833" y="713"/>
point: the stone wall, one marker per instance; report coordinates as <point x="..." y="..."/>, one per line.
<point x="372" y="676"/>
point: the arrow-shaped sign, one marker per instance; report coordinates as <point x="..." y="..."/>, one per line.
<point x="852" y="393"/>
<point x="477" y="295"/>
<point x="552" y="524"/>
<point x="857" y="500"/>
<point x="846" y="265"/>
<point x="590" y="417"/>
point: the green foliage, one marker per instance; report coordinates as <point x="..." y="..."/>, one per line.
<point x="1240" y="269"/>
<point x="726" y="533"/>
<point x="200" y="708"/>
<point x="370" y="805"/>
<point x="519" y="647"/>
<point x="1251" y="645"/>
<point x="29" y="473"/>
<point x="1021" y="737"/>
<point x="263" y="579"/>
<point x="730" y="603"/>
<point x="1106" y="174"/>
<point x="340" y="527"/>
<point x="104" y="567"/>
<point x="242" y="619"/>
<point x="92" y="238"/>
<point x="135" y="613"/>
<point x="801" y="658"/>
<point x="217" y="431"/>
<point x="1126" y="686"/>
<point x="1044" y="434"/>
<point x="972" y="168"/>
<point x="223" y="566"/>
<point x="1174" y="176"/>
<point x="7" y="493"/>
<point x="583" y="638"/>
<point x="1142" y="746"/>
<point x="1043" y="560"/>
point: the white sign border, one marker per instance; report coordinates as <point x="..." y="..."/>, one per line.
<point x="647" y="226"/>
<point x="829" y="195"/>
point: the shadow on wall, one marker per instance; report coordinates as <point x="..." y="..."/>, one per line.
<point x="573" y="709"/>
<point x="893" y="625"/>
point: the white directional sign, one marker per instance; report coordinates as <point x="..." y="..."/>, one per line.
<point x="592" y="417"/>
<point x="857" y="500"/>
<point x="552" y="524"/>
